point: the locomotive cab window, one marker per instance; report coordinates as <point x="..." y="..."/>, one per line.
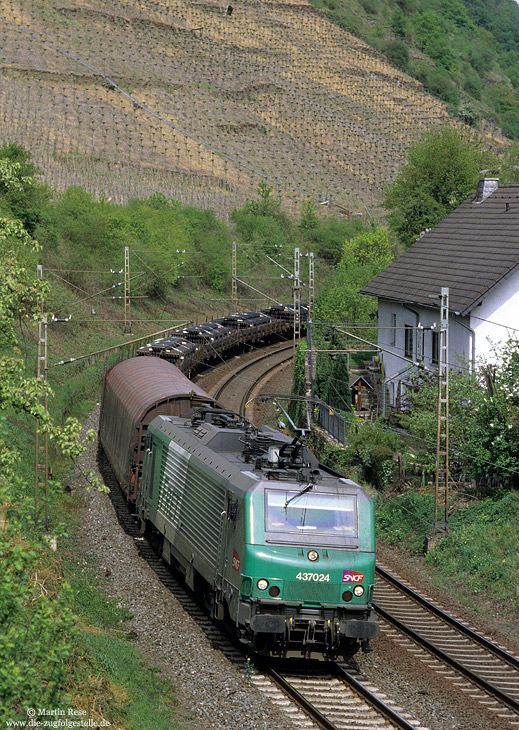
<point x="312" y="513"/>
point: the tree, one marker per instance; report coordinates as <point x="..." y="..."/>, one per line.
<point x="363" y="257"/>
<point x="20" y="195"/>
<point x="35" y="624"/>
<point x="398" y="53"/>
<point x="483" y="418"/>
<point x="441" y="171"/>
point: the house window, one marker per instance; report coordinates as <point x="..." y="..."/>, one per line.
<point x="392" y="334"/>
<point x="435" y="347"/>
<point x="408" y="341"/>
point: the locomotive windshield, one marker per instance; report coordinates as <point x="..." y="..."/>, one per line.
<point x="311" y="513"/>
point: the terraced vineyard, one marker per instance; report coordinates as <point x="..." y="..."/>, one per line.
<point x="199" y="100"/>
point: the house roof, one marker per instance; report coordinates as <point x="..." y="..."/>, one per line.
<point x="360" y="381"/>
<point x="470" y="251"/>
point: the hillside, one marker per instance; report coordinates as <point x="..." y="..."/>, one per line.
<point x="200" y="100"/>
<point x="465" y="52"/>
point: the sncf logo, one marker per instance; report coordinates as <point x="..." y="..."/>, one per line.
<point x="236" y="562"/>
<point x="351" y="576"/>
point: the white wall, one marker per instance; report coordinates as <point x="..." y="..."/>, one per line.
<point x="471" y="338"/>
<point x="500" y="309"/>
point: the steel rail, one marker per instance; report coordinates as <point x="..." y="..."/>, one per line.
<point x="458" y="625"/>
<point x="471" y="675"/>
<point x="248" y="365"/>
<point x="392" y="715"/>
<point x="249" y="390"/>
<point x="299" y="699"/>
<point x="317" y="716"/>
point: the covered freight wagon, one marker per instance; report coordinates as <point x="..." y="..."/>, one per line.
<point x="135" y="392"/>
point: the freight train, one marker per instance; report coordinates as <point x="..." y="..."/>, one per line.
<point x="280" y="547"/>
<point x="196" y="346"/>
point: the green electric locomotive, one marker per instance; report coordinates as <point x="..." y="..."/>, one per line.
<point x="281" y="547"/>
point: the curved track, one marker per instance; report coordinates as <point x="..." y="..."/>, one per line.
<point x="331" y="696"/>
<point x="234" y="392"/>
<point x="490" y="670"/>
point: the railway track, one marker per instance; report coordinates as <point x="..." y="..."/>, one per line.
<point x="485" y="671"/>
<point x="235" y="391"/>
<point x="334" y="697"/>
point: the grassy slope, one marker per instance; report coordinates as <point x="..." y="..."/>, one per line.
<point x="278" y="87"/>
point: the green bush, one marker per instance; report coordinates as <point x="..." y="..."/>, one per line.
<point x="370" y="450"/>
<point x="510" y="124"/>
<point x="36" y="632"/>
<point x="439" y="84"/>
<point x="374" y="449"/>
<point x="482" y="548"/>
<point x="397" y="53"/>
<point x="405" y="520"/>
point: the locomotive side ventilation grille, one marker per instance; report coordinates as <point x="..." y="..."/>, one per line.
<point x="201" y="511"/>
<point x="193" y="499"/>
<point x="173" y="479"/>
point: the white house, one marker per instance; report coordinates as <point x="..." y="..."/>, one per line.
<point x="475" y="253"/>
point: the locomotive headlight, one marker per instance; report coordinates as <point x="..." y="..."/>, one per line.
<point x="358" y="591"/>
<point x="262" y="584"/>
<point x="313" y="555"/>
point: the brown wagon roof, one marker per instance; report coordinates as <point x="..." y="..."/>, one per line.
<point x="470" y="251"/>
<point x="141" y="382"/>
